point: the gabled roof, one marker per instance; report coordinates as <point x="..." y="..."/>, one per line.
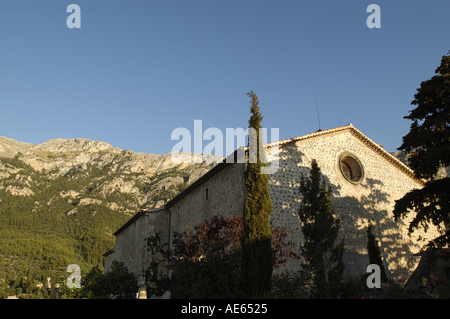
<point x="198" y="182"/>
<point x="109" y="252"/>
<point x="140" y="213"/>
<point x="364" y="139"/>
<point x="321" y="133"/>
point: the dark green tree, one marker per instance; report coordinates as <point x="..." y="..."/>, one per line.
<point x="206" y="261"/>
<point x="118" y="283"/>
<point x="373" y="250"/>
<point x="154" y="278"/>
<point x="257" y="264"/>
<point x="322" y="256"/>
<point x="428" y="145"/>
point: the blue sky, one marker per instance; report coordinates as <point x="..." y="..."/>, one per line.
<point x="137" y="70"/>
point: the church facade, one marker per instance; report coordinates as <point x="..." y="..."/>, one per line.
<point x="365" y="179"/>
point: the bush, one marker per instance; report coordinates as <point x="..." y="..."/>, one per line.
<point x="437" y="289"/>
<point x="288" y="286"/>
<point x="117" y="283"/>
<point x="156" y="284"/>
<point x="207" y="261"/>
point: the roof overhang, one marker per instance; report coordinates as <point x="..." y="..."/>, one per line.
<point x="135" y="217"/>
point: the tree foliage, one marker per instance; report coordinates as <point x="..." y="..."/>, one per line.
<point x="373" y="250"/>
<point x="118" y="283"/>
<point x="207" y="260"/>
<point x="257" y="264"/>
<point x="428" y="141"/>
<point x="47" y="231"/>
<point x="154" y="278"/>
<point x="322" y="256"/>
<point x="428" y="144"/>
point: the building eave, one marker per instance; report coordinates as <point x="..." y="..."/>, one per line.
<point x="135" y="217"/>
<point x="318" y="134"/>
<point x="377" y="148"/>
<point x="109" y="252"/>
<point x="220" y="166"/>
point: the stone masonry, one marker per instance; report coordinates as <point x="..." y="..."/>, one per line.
<point x="131" y="248"/>
<point x="372" y="198"/>
<point x="365" y="179"/>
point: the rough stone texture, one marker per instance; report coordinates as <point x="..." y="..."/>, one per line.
<point x="10" y="147"/>
<point x="71" y="212"/>
<point x="70" y="193"/>
<point x="131" y="174"/>
<point x="169" y="181"/>
<point x="119" y="183"/>
<point x="18" y="191"/>
<point x="434" y="264"/>
<point x="131" y="246"/>
<point x="371" y="199"/>
<point x="89" y="201"/>
<point x="64" y="154"/>
<point x="385" y="179"/>
<point x="226" y="197"/>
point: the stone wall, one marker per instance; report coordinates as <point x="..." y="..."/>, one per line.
<point x="434" y="264"/>
<point x="131" y="247"/>
<point x="226" y="197"/>
<point x="372" y="198"/>
<point x="384" y="179"/>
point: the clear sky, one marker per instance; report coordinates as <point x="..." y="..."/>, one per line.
<point x="137" y="70"/>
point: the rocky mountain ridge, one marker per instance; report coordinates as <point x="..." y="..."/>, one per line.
<point x="128" y="172"/>
<point x="62" y="200"/>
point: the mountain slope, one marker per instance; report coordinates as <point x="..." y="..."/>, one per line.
<point x="60" y="202"/>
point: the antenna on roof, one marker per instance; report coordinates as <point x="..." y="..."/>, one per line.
<point x="318" y="117"/>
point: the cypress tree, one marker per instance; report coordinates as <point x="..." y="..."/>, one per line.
<point x="373" y="250"/>
<point x="257" y="263"/>
<point x="322" y="257"/>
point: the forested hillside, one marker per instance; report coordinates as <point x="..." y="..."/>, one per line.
<point x="60" y="206"/>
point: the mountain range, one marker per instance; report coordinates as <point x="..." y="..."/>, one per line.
<point x="61" y="201"/>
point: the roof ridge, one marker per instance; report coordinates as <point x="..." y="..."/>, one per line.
<point x="362" y="137"/>
<point x="388" y="156"/>
<point x="358" y="134"/>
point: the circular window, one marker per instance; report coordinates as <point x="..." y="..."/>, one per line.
<point x="351" y="168"/>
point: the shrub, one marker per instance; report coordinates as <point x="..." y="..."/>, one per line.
<point x="117" y="283"/>
<point x="207" y="261"/>
<point x="155" y="282"/>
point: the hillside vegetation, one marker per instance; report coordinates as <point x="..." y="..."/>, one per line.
<point x="61" y="201"/>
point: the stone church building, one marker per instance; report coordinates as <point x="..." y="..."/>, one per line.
<point x="365" y="179"/>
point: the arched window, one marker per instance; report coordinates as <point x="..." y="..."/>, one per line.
<point x="351" y="168"/>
